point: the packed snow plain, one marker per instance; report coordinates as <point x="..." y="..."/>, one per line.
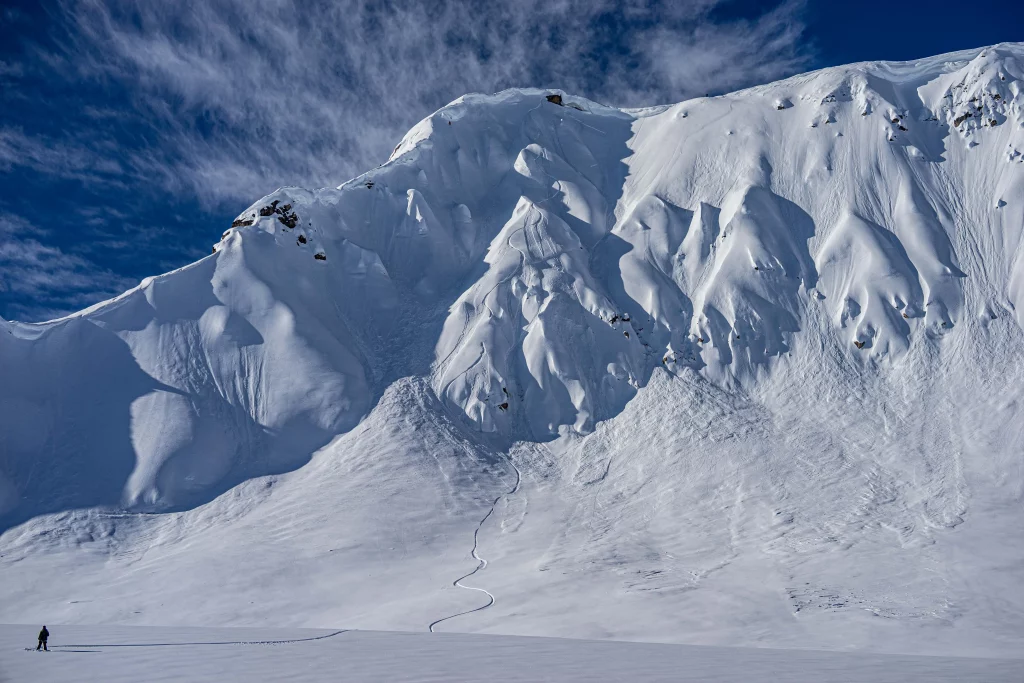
<point x="740" y="371"/>
<point x="119" y="654"/>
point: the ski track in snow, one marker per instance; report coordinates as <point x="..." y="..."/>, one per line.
<point x="481" y="562"/>
<point x="60" y="648"/>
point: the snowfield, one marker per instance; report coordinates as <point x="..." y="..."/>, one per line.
<point x="742" y="371"/>
<point x="118" y="654"/>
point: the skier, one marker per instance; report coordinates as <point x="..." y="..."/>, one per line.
<point x="43" y="636"/>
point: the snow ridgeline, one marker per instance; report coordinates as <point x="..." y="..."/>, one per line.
<point x="538" y="261"/>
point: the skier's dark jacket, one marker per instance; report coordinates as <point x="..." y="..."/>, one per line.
<point x="44" y="634"/>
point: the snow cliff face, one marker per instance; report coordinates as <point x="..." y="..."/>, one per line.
<point x="591" y="245"/>
<point x="853" y="234"/>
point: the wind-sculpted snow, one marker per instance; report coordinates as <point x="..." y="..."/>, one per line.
<point x="183" y="386"/>
<point x="874" y="287"/>
<point x="511" y="350"/>
<point x="764" y="344"/>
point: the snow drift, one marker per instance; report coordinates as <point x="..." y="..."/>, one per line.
<point x="773" y="333"/>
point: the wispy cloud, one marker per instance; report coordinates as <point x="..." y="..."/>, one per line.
<point x="39" y="280"/>
<point x="59" y="157"/>
<point x="246" y="95"/>
<point x="713" y="58"/>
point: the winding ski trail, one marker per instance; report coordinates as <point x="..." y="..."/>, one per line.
<point x="481" y="562"/>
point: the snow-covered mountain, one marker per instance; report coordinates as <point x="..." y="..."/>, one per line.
<point x="741" y="370"/>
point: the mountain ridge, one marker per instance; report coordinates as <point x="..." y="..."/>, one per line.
<point x="823" y="272"/>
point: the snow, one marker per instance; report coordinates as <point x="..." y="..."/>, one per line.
<point x="718" y="373"/>
<point x="123" y="654"/>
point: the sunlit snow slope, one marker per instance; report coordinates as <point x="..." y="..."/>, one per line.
<point x="741" y="370"/>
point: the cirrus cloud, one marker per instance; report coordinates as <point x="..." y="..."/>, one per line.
<point x="246" y="95"/>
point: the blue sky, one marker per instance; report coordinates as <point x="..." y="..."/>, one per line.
<point x="132" y="131"/>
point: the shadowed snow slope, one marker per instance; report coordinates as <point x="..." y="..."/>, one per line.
<point x="757" y="359"/>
